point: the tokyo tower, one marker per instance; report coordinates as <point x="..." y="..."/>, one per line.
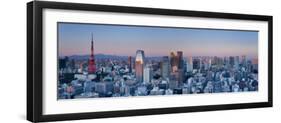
<point x="92" y="64"/>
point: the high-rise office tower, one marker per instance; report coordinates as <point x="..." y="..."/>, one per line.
<point x="174" y="62"/>
<point x="180" y="59"/>
<point x="139" y="65"/>
<point x="209" y="63"/>
<point x="180" y="77"/>
<point x="92" y="64"/>
<point x="147" y="74"/>
<point x="255" y="62"/>
<point x="165" y="67"/>
<point x="189" y="64"/>
<point x="130" y="63"/>
<point x="231" y="61"/>
<point x="196" y="63"/>
<point x="236" y="62"/>
<point x="226" y="61"/>
<point x="215" y="61"/>
<point x="243" y="60"/>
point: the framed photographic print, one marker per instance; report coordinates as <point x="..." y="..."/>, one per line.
<point x="95" y="61"/>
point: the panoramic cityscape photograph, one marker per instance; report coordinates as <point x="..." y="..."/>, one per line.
<point x="105" y="60"/>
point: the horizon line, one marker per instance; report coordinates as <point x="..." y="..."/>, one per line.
<point x="158" y="55"/>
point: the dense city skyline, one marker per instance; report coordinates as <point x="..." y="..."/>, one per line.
<point x="155" y="61"/>
<point x="125" y="40"/>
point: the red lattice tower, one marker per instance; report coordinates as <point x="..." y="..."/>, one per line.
<point x="92" y="64"/>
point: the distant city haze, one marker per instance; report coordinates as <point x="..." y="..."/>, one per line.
<point x="148" y="61"/>
<point x="121" y="40"/>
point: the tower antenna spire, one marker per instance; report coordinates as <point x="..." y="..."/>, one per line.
<point x="92" y="37"/>
<point x="92" y="64"/>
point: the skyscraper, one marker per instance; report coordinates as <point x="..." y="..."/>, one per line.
<point x="236" y="62"/>
<point x="165" y="65"/>
<point x="180" y="77"/>
<point x="243" y="60"/>
<point x="180" y="59"/>
<point x="196" y="63"/>
<point x="189" y="64"/>
<point x="232" y="61"/>
<point x="147" y="74"/>
<point x="130" y="63"/>
<point x="174" y="62"/>
<point x="139" y="65"/>
<point x="255" y="62"/>
<point x="180" y="67"/>
<point x="92" y="64"/>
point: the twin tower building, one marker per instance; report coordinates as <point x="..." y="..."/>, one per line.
<point x="171" y="69"/>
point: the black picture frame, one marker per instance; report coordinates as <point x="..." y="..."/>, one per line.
<point x="35" y="69"/>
